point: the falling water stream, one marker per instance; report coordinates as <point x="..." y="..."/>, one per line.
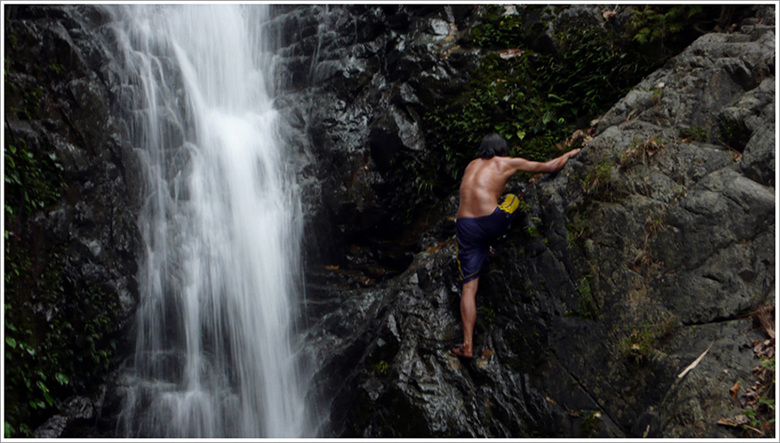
<point x="215" y="344"/>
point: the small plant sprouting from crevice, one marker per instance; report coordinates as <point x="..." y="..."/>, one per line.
<point x="654" y="225"/>
<point x="598" y="184"/>
<point x="586" y="303"/>
<point x="694" y="133"/>
<point x="382" y="368"/>
<point x="733" y="134"/>
<point x="644" y="262"/>
<point x="760" y="397"/>
<point x="578" y="226"/>
<point x="639" y="152"/>
<point x="658" y="94"/>
<point x="760" y="410"/>
<point x="757" y="419"/>
<point x="488" y="314"/>
<point x="531" y="229"/>
<point x="643" y="340"/>
<point x="591" y="424"/>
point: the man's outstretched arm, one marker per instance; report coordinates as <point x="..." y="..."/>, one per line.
<point x="520" y="164"/>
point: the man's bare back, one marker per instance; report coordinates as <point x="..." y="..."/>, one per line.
<point x="484" y="180"/>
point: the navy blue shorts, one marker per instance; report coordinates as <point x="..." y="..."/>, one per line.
<point x="475" y="234"/>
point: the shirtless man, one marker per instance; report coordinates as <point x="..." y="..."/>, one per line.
<point x="481" y="219"/>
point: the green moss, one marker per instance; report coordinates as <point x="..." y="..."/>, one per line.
<point x="532" y="231"/>
<point x="11" y="39"/>
<point x="524" y="207"/>
<point x="586" y="304"/>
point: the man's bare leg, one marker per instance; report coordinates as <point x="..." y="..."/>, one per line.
<point x="468" y="315"/>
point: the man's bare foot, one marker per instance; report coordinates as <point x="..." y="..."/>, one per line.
<point x="461" y="351"/>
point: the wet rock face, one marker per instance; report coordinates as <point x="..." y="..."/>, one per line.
<point x="76" y="247"/>
<point x="354" y="83"/>
<point x="77" y="120"/>
<point x="650" y="247"/>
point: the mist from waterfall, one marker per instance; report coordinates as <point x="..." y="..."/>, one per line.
<point x="221" y="222"/>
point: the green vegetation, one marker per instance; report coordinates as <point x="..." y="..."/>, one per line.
<point x="578" y="226"/>
<point x="502" y="31"/>
<point x="598" y="183"/>
<point x="31" y="181"/>
<point x="488" y="314"/>
<point x="55" y="344"/>
<point x="591" y="424"/>
<point x="586" y="304"/>
<point x="695" y="133"/>
<point x="382" y="367"/>
<point x="733" y="134"/>
<point x="758" y="416"/>
<point x="662" y="29"/>
<point x="57" y="68"/>
<point x="524" y="207"/>
<point x="535" y="99"/>
<point x="644" y="338"/>
<point x="537" y="95"/>
<point x="531" y="229"/>
<point x="410" y="171"/>
<point x="761" y="410"/>
<point x="49" y="352"/>
<point x="57" y="330"/>
<point x="657" y="95"/>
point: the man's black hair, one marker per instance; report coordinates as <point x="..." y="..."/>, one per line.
<point x="493" y="145"/>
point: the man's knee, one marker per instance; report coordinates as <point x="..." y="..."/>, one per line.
<point x="470" y="287"/>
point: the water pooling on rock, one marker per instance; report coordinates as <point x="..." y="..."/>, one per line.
<point x="215" y="349"/>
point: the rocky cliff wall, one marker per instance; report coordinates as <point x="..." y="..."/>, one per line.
<point x="71" y="202"/>
<point x="354" y="85"/>
<point x="654" y="245"/>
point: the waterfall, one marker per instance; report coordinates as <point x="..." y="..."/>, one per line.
<point x="220" y="280"/>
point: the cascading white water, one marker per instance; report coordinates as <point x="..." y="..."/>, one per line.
<point x="215" y="351"/>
